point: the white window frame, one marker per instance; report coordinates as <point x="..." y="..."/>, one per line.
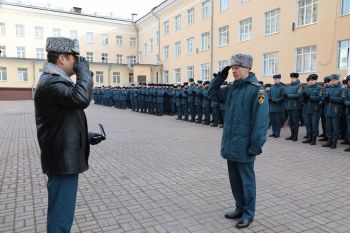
<point x="206" y="9"/>
<point x="56" y="32"/>
<point x="39" y="32"/>
<point x="303" y="55"/>
<point x="119" y="40"/>
<point x="272" y="22"/>
<point x="166" y="76"/>
<point x="177" y="22"/>
<point x="205" y="41"/>
<point x="90" y="57"/>
<point x="104" y="39"/>
<point x="119" y="58"/>
<point x="190" y="16"/>
<point x="99" y="77"/>
<point x="2" y="29"/>
<point x="104" y="58"/>
<point x="223" y="5"/>
<point x="304" y="9"/>
<point x="158" y="38"/>
<point x="22" y="74"/>
<point x="270" y="63"/>
<point x="151" y="45"/>
<point x="177" y="75"/>
<point x="3" y="74"/>
<point x="90" y="37"/>
<point x="177" y="49"/>
<point x="189" y="72"/>
<point x="145" y="49"/>
<point x="222" y="64"/>
<point x="343" y="54"/>
<point x="342" y="11"/>
<point x="224" y="33"/>
<point x="2" y="51"/>
<point x="245" y="29"/>
<point x="21" y="52"/>
<point x="166" y="52"/>
<point x="39" y="53"/>
<point x="190" y="45"/>
<point x="20" y="31"/>
<point x="133" y="42"/>
<point x="166" y="28"/>
<point x="116" y="77"/>
<point x="205" y="72"/>
<point x="132" y="60"/>
<point x="73" y="34"/>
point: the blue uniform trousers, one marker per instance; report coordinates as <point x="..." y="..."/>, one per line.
<point x="206" y="111"/>
<point x="276" y="122"/>
<point x="160" y="108"/>
<point x="215" y="113"/>
<point x="243" y="186"/>
<point x="62" y="193"/>
<point x="192" y="110"/>
<point x="179" y="112"/>
<point x="312" y="122"/>
<point x="348" y="128"/>
<point x="185" y="110"/>
<point x="332" y="127"/>
<point x="294" y="118"/>
<point x="199" y="112"/>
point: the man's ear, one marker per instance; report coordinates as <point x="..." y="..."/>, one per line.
<point x="60" y="60"/>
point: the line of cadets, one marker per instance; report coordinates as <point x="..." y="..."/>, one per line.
<point x="295" y="102"/>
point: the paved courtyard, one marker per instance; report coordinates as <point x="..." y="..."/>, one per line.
<point x="157" y="174"/>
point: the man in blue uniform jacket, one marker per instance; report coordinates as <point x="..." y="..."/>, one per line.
<point x="244" y="134"/>
<point x="277" y="94"/>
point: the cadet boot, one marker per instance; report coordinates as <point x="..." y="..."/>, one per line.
<point x="347" y="149"/>
<point x="305" y="136"/>
<point x="344" y="142"/>
<point x="324" y="139"/>
<point x="322" y="135"/>
<point x="334" y="144"/>
<point x="308" y="140"/>
<point x="291" y="135"/>
<point x="271" y="135"/>
<point x="222" y="126"/>
<point x="328" y="143"/>
<point x="295" y="138"/>
<point x="214" y="125"/>
<point x="313" y="141"/>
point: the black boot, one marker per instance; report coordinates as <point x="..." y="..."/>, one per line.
<point x="295" y="138"/>
<point x="345" y="142"/>
<point x="313" y="141"/>
<point x="347" y="149"/>
<point x="324" y="139"/>
<point x="328" y="143"/>
<point x="291" y="135"/>
<point x="334" y="144"/>
<point x="308" y="140"/>
<point x="214" y="125"/>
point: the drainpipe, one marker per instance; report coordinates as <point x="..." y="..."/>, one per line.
<point x="133" y="15"/>
<point x="211" y="38"/>
<point x="109" y="75"/>
<point x="33" y="86"/>
<point x="160" y="64"/>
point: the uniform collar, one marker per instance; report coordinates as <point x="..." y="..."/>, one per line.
<point x="50" y="68"/>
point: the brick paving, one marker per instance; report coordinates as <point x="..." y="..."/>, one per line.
<point x="157" y="174"/>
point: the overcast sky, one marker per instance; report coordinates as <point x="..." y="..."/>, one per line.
<point x="119" y="8"/>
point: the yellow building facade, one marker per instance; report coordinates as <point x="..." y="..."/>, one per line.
<point x="180" y="39"/>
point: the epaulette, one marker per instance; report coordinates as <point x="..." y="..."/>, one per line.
<point x="256" y="84"/>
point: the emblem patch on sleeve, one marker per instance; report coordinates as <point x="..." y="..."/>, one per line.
<point x="261" y="97"/>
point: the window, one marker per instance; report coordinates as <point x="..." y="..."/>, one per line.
<point x="272" y="21"/>
<point x="178" y="49"/>
<point x="119" y="59"/>
<point x="116" y="77"/>
<point x="39" y="53"/>
<point x="166" y="28"/>
<point x="104" y="58"/>
<point x="165" y="52"/>
<point x="177" y="75"/>
<point x="104" y="39"/>
<point x="245" y="29"/>
<point x="21" y="52"/>
<point x="120" y="41"/>
<point x="2" y="51"/>
<point x="90" y="57"/>
<point x="223" y="36"/>
<point x="306" y="59"/>
<point x="270" y="64"/>
<point x="2" y="29"/>
<point x="89" y="37"/>
<point x="205" y="72"/>
<point x="158" y="37"/>
<point x="22" y="74"/>
<point x="243" y="1"/>
<point x="206" y="11"/>
<point x="74" y="34"/>
<point x="345" y="7"/>
<point x="157" y="59"/>
<point x="223" y="5"/>
<point x="56" y="32"/>
<point x="190" y="16"/>
<point x="343" y="54"/>
<point x="19" y="30"/>
<point x="166" y="76"/>
<point x="307" y="12"/>
<point x="177" y="22"/>
<point x="39" y="32"/>
<point x="132" y="42"/>
<point x="131" y="60"/>
<point x="190" y="72"/>
<point x="222" y="64"/>
<point x="3" y="73"/>
<point x="151" y="45"/>
<point x="205" y="41"/>
<point x="99" y="77"/>
<point x="145" y="48"/>
<point x="190" y="45"/>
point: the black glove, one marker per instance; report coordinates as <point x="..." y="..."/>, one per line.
<point x="224" y="72"/>
<point x="95" y="138"/>
<point x="80" y="65"/>
<point x="306" y="97"/>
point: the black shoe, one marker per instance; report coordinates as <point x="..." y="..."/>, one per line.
<point x="306" y="141"/>
<point x="322" y="135"/>
<point x="305" y="136"/>
<point x="295" y="138"/>
<point x="271" y="135"/>
<point x="233" y="214"/>
<point x="323" y="140"/>
<point x="178" y="118"/>
<point x="327" y="144"/>
<point x="198" y="122"/>
<point x="334" y="144"/>
<point x="206" y="123"/>
<point x="244" y="223"/>
<point x="214" y="125"/>
<point x="344" y="142"/>
<point x="276" y="136"/>
<point x="221" y="126"/>
<point x="290" y="137"/>
<point x="193" y="120"/>
<point x="347" y="149"/>
<point x="313" y="141"/>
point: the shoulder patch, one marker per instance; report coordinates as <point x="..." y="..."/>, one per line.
<point x="261" y="97"/>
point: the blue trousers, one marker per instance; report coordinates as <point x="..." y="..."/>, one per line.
<point x="199" y="112"/>
<point x="62" y="192"/>
<point x="185" y="110"/>
<point x="348" y="128"/>
<point x="192" y="109"/>
<point x="332" y="127"/>
<point x="215" y="113"/>
<point x="243" y="186"/>
<point x="276" y="123"/>
<point x="312" y="121"/>
<point x="206" y="112"/>
<point x="179" y="111"/>
<point x="294" y="118"/>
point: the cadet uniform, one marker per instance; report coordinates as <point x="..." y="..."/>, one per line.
<point x="276" y="99"/>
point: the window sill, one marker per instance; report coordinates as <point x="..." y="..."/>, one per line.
<point x="347" y="14"/>
<point x="245" y="40"/>
<point x="306" y="25"/>
<point x="221" y="46"/>
<point x="271" y="34"/>
<point x="306" y="72"/>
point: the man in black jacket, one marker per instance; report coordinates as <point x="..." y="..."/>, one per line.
<point x="62" y="127"/>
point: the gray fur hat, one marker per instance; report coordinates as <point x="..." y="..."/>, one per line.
<point x="243" y="60"/>
<point x="62" y="45"/>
